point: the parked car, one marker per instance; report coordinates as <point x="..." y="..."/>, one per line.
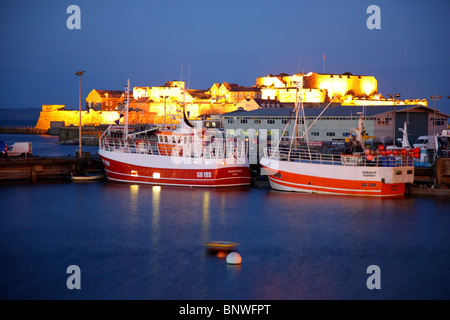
<point x="427" y="142"/>
<point x="20" y="149"/>
<point x="3" y="149"/>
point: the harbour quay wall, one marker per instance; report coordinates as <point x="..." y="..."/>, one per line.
<point x="22" y="130"/>
<point x="45" y="168"/>
<point x="89" y="135"/>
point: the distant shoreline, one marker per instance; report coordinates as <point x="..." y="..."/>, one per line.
<point x="19" y="117"/>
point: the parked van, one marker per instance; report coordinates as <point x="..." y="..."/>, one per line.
<point x="427" y="142"/>
<point x="3" y="149"/>
<point x="20" y="149"/>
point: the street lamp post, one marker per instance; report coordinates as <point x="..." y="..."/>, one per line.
<point x="396" y="95"/>
<point x="164" y="97"/>
<point x="79" y="74"/>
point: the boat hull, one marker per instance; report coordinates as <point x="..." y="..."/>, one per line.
<point x="89" y="177"/>
<point x="173" y="171"/>
<point x="338" y="179"/>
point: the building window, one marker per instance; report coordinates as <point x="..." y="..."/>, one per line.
<point x="346" y="134"/>
<point x="270" y="121"/>
<point x="243" y="120"/>
<point x="315" y="134"/>
<point x="438" y="121"/>
<point x="230" y="120"/>
<point x="383" y="121"/>
<point x="331" y="134"/>
<point x="284" y="121"/>
<point x="257" y="121"/>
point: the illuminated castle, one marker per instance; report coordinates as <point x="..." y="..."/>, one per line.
<point x="346" y="89"/>
<point x="164" y="104"/>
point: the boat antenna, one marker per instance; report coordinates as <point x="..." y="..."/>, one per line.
<point x="189" y="74"/>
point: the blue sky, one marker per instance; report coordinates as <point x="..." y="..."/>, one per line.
<point x="151" y="42"/>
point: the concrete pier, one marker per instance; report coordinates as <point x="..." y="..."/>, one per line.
<point x="443" y="171"/>
<point x="44" y="168"/>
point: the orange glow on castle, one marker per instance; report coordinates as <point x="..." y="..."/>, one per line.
<point x="164" y="104"/>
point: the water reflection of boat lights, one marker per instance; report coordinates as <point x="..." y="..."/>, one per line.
<point x="206" y="214"/>
<point x="156" y="198"/>
<point x="134" y="192"/>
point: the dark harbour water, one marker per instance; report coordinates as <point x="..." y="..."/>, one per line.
<point x="144" y="242"/>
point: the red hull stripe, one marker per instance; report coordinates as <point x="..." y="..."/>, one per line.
<point x="214" y="177"/>
<point x="304" y="183"/>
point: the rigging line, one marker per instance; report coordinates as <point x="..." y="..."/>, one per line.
<point x="319" y="116"/>
<point x="304" y="126"/>
<point x="295" y="134"/>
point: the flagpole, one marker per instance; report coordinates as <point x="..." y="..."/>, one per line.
<point x="323" y="63"/>
<point x="79" y="74"/>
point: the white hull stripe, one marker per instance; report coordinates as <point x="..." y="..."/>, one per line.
<point x="181" y="185"/>
<point x="284" y="188"/>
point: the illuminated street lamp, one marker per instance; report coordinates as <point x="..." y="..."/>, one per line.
<point x="79" y="74"/>
<point x="164" y="97"/>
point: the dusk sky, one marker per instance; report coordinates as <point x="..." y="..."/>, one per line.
<point x="208" y="41"/>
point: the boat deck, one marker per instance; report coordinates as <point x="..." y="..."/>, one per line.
<point x="305" y="156"/>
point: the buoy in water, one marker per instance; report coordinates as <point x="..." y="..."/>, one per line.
<point x="234" y="258"/>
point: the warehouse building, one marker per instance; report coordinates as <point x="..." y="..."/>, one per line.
<point x="335" y="124"/>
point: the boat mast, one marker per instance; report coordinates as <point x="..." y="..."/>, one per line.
<point x="295" y="133"/>
<point x="304" y="122"/>
<point x="125" y="128"/>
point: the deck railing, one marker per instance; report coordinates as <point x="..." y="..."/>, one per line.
<point x="206" y="150"/>
<point x="305" y="156"/>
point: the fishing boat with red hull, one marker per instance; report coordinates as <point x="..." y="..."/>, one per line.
<point x="187" y="156"/>
<point x="297" y="168"/>
<point x="338" y="174"/>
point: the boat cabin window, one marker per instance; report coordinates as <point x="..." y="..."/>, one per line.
<point x="165" y="139"/>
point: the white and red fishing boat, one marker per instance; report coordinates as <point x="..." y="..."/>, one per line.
<point x="290" y="168"/>
<point x="188" y="156"/>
